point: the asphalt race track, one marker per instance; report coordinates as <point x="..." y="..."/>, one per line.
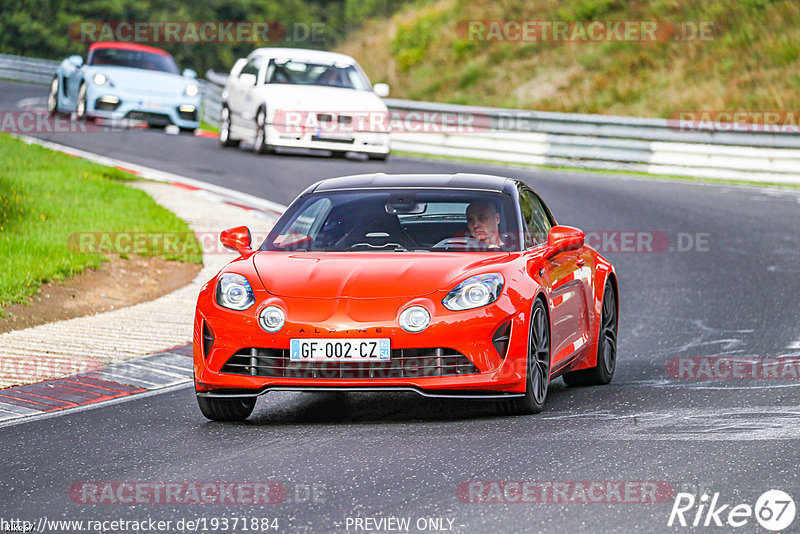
<point x="356" y="456"/>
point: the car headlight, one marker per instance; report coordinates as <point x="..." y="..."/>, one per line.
<point x="100" y="79"/>
<point x="474" y="292"/>
<point x="191" y="90"/>
<point x="234" y="292"/>
<point x="271" y="318"/>
<point x="415" y="319"/>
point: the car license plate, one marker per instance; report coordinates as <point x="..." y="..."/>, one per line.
<point x="151" y="104"/>
<point x="339" y="350"/>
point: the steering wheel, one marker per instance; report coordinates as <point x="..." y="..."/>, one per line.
<point x="466" y="242"/>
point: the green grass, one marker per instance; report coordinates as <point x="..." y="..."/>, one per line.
<point x="210" y="127"/>
<point x="748" y="60"/>
<point x="48" y="200"/>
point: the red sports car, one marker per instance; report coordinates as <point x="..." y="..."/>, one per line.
<point x="459" y="286"/>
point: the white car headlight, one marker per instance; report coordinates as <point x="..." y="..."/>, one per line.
<point x="100" y="79"/>
<point x="271" y="318"/>
<point x="474" y="292"/>
<point x="415" y="319"/>
<point x="191" y="90"/>
<point x="234" y="292"/>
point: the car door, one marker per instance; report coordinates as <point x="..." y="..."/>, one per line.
<point x="563" y="278"/>
<point x="73" y="76"/>
<point x="240" y="95"/>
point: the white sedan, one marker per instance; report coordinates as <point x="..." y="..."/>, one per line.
<point x="289" y="97"/>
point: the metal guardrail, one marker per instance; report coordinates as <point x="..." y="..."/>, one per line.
<point x="656" y="146"/>
<point x="24" y="69"/>
<point x="547" y="138"/>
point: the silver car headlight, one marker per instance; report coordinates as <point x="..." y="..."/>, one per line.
<point x="234" y="292"/>
<point x="191" y="90"/>
<point x="100" y="79"/>
<point x="474" y="292"/>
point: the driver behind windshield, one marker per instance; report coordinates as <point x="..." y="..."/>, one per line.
<point x="483" y="223"/>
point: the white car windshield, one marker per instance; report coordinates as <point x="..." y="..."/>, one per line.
<point x="134" y="59"/>
<point x="398" y="221"/>
<point x="303" y="73"/>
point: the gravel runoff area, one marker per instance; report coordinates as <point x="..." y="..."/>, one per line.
<point x="77" y="345"/>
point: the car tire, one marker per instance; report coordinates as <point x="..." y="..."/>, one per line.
<point x="603" y="371"/>
<point x="225" y="129"/>
<point x="379" y="157"/>
<point x="537" y="373"/>
<point x="52" y="97"/>
<point x="80" y="108"/>
<point x="260" y="145"/>
<point x="235" y="409"/>
<point x="339" y="154"/>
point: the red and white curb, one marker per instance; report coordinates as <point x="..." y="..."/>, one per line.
<point x="161" y="370"/>
<point x="114" y="355"/>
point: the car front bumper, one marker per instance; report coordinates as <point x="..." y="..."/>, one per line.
<point x="115" y="104"/>
<point x="471" y="333"/>
<point x="377" y="143"/>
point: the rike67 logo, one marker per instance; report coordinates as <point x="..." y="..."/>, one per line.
<point x="774" y="510"/>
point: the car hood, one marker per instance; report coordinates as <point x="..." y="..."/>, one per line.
<point x="368" y="275"/>
<point x="317" y="98"/>
<point x="142" y="81"/>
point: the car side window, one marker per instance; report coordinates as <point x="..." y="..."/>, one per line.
<point x="536" y="220"/>
<point x="251" y="67"/>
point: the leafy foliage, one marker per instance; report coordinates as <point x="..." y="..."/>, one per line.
<point x="40" y="28"/>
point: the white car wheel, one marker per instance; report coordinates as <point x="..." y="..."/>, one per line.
<point x="52" y="97"/>
<point x="225" y="129"/>
<point x="260" y="145"/>
<point x="80" y="110"/>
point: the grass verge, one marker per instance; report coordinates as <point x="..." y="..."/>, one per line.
<point x="49" y="201"/>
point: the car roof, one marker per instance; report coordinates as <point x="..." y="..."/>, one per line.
<point x="303" y="54"/>
<point x="128" y="46"/>
<point x="485" y="182"/>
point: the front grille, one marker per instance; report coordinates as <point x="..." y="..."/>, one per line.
<point x="332" y="139"/>
<point x="404" y="363"/>
<point x="208" y="340"/>
<point x="500" y="338"/>
<point x="102" y="105"/>
<point x="158" y="119"/>
<point x="187" y="115"/>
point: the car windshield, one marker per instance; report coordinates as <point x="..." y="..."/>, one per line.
<point x="303" y="73"/>
<point x="398" y="221"/>
<point x="134" y="59"/>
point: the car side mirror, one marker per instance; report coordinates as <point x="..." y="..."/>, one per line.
<point x="189" y="73"/>
<point x="76" y="60"/>
<point x="381" y="89"/>
<point x="237" y="239"/>
<point x="247" y="78"/>
<point x="563" y="238"/>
